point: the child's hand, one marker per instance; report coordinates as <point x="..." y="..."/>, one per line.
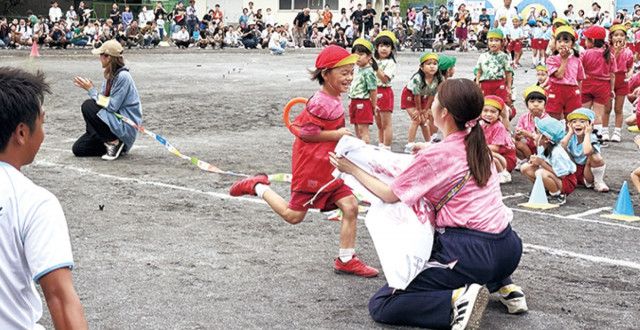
<point x="413" y="114"/>
<point x="570" y="130"/>
<point x="344" y="131"/>
<point x="535" y="160"/>
<point x="588" y="129"/>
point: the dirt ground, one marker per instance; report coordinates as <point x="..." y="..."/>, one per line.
<point x="172" y="250"/>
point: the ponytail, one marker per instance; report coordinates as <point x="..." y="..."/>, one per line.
<point x="478" y="155"/>
<point x="599" y="43"/>
<point x="464" y="101"/>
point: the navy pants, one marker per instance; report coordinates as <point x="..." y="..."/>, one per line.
<point x="483" y="258"/>
<point x="91" y="143"/>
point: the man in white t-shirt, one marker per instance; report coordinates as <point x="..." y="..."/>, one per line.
<point x="55" y="13"/>
<point x="507" y="11"/>
<point x="34" y="239"/>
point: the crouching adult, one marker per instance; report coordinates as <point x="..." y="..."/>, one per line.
<point x="106" y="135"/>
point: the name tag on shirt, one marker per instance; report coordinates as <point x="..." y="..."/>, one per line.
<point x="103" y="101"/>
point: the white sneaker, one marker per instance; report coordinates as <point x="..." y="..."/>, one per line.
<point x="600" y="186"/>
<point x="113" y="151"/>
<point x="605" y="134"/>
<point x="408" y="148"/>
<point x="505" y="177"/>
<point x="615" y="137"/>
<point x="469" y="306"/>
<point x="513" y="298"/>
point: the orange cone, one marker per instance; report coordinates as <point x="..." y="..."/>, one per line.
<point x="34" y="50"/>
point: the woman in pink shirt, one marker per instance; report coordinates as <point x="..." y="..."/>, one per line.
<point x="599" y="68"/>
<point x="565" y="74"/>
<point x="458" y="178"/>
<point x="624" y="69"/>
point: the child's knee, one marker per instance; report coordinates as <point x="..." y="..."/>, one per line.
<point x="596" y="160"/>
<point x="294" y="217"/>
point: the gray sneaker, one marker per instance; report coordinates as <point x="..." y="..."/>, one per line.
<point x="113" y="151"/>
<point x="559" y="199"/>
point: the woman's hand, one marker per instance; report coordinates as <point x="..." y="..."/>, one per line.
<point x="342" y="164"/>
<point x="83" y="83"/>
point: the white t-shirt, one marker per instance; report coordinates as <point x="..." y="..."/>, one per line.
<point x="34" y="240"/>
<point x="510" y="13"/>
<point x="54" y="14"/>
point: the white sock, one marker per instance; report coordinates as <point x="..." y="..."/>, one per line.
<point x="261" y="189"/>
<point x="346" y="254"/>
<point x="598" y="173"/>
<point x="617" y="129"/>
<point x="554" y="193"/>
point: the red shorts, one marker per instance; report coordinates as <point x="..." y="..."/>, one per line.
<point x="510" y="156"/>
<point x="539" y="44"/>
<point x="598" y="91"/>
<point x="497" y="88"/>
<point x="580" y="174"/>
<point x="407" y="100"/>
<point x="569" y="183"/>
<point x="325" y="201"/>
<point x="515" y="46"/>
<point x="636" y="48"/>
<point x="563" y="99"/>
<point x="532" y="146"/>
<point x="385" y="99"/>
<point x="361" y="112"/>
<point x="621" y="87"/>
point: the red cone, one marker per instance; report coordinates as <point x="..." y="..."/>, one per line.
<point x="34" y="50"/>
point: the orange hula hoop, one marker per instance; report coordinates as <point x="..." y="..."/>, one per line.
<point x="287" y="109"/>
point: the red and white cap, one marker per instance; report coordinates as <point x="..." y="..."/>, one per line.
<point x="335" y="56"/>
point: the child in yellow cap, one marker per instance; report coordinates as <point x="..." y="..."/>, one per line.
<point x="363" y="91"/>
<point x="542" y="75"/>
<point x="418" y="95"/>
<point x="623" y="72"/>
<point x="525" y="134"/>
<point x="494" y="74"/>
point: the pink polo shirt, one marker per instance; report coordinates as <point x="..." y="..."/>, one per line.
<point x="526" y="122"/>
<point x="572" y="75"/>
<point x="437" y="169"/>
<point x="634" y="82"/>
<point x="624" y="60"/>
<point x="496" y="134"/>
<point x="595" y="67"/>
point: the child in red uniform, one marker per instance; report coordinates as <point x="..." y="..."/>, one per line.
<point x="364" y="90"/>
<point x="624" y="63"/>
<point x="318" y="129"/>
<point x="599" y="68"/>
<point x="565" y="75"/>
<point x="385" y="46"/>
<point x="634" y="92"/>
<point x="498" y="138"/>
<point x="525" y="136"/>
<point x="493" y="71"/>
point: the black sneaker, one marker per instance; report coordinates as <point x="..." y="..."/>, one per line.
<point x="559" y="199"/>
<point x="113" y="150"/>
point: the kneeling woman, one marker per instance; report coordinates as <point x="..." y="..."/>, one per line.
<point x="106" y="135"/>
<point x="473" y="225"/>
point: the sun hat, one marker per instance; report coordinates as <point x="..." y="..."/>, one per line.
<point x="335" y="56"/>
<point x="429" y="56"/>
<point x="388" y="34"/>
<point x="566" y="29"/>
<point x="494" y="101"/>
<point x="541" y="67"/>
<point x="582" y="113"/>
<point x="446" y="62"/>
<point x="495" y="34"/>
<point x="595" y="32"/>
<point x="618" y="27"/>
<point x="111" y="48"/>
<point x="560" y="21"/>
<point x="533" y="89"/>
<point x="365" y="43"/>
<point x="551" y="128"/>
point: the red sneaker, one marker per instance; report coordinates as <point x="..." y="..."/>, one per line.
<point x="247" y="186"/>
<point x="354" y="267"/>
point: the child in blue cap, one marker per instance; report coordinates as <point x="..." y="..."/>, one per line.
<point x="584" y="148"/>
<point x="554" y="164"/>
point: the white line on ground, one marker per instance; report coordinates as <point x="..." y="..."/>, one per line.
<point x="560" y="216"/>
<point x="549" y="250"/>
<point x="589" y="212"/>
<point x="563" y="253"/>
<point x="516" y="195"/>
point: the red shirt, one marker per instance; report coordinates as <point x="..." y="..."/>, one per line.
<point x="624" y="60"/>
<point x="595" y="66"/>
<point x="310" y="164"/>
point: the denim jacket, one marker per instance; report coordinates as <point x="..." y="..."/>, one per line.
<point x="123" y="99"/>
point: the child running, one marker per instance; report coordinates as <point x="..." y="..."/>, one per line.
<point x="552" y="161"/>
<point x="599" y="68"/>
<point x="565" y="74"/>
<point x="624" y="70"/>
<point x="385" y="46"/>
<point x="498" y="138"/>
<point x="525" y="136"/>
<point x="364" y="89"/>
<point x="493" y="72"/>
<point x="317" y="130"/>
<point x="583" y="147"/>
<point x="418" y="95"/>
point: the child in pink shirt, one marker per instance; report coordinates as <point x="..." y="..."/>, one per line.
<point x="565" y="75"/>
<point x="634" y="92"/>
<point x="498" y="138"/>
<point x="525" y="135"/>
<point x="624" y="69"/>
<point x="599" y="68"/>
<point x="457" y="177"/>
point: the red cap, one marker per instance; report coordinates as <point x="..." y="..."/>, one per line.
<point x="334" y="56"/>
<point x="494" y="101"/>
<point x="596" y="32"/>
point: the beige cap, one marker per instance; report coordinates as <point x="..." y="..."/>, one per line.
<point x="111" y="48"/>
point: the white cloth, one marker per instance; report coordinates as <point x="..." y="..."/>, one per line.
<point x="55" y="13"/>
<point x="34" y="240"/>
<point x="402" y="241"/>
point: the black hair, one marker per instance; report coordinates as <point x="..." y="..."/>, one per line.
<point x="317" y="75"/>
<point x="438" y="77"/>
<point x="360" y="49"/>
<point x="21" y="98"/>
<point x="384" y="40"/>
<point x="567" y="36"/>
<point x="535" y="96"/>
<point x="599" y="43"/>
<point x="549" y="148"/>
